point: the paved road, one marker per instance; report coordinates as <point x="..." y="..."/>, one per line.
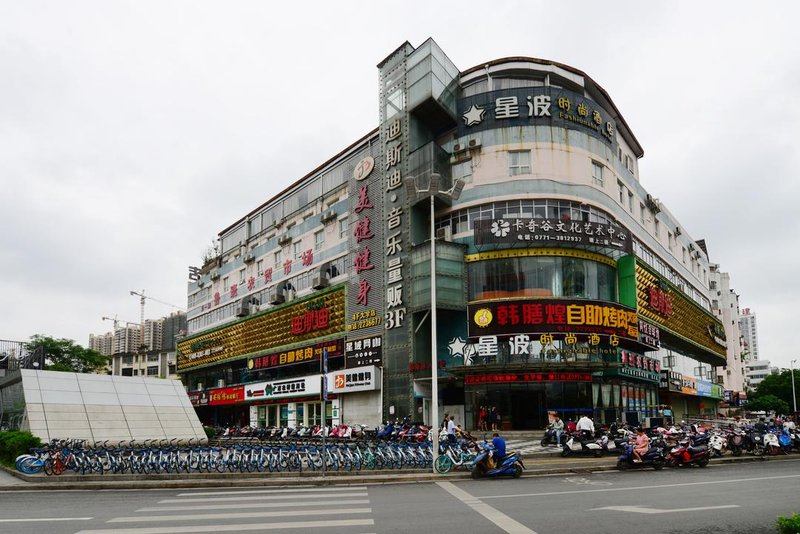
<point x="728" y="498"/>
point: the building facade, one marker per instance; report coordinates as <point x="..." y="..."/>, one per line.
<point x="749" y="330"/>
<point x="560" y="283"/>
<point x="725" y="303"/>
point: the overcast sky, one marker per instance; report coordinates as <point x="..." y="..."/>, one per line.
<point x="131" y="133"/>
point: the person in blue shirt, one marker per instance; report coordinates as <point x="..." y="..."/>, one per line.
<point x="499" y="445"/>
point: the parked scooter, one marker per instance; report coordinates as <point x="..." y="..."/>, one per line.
<point x="687" y="454"/>
<point x="510" y="464"/>
<point x="575" y="445"/>
<point x="652" y="458"/>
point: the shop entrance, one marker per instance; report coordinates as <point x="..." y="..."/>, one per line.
<point x="526" y="410"/>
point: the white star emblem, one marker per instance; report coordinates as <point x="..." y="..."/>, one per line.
<point x="474" y="115"/>
<point x="456" y="346"/>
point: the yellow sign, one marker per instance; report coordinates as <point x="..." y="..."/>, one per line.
<point x="264" y="331"/>
<point x="483" y="317"/>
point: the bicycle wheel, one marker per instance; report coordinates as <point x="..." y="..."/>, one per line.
<point x="443" y="464"/>
<point x="47" y="467"/>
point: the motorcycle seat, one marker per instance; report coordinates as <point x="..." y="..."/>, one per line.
<point x="701" y="448"/>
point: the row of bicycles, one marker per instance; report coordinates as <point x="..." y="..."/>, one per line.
<point x="160" y="456"/>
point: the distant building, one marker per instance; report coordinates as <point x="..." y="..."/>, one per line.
<point x="747" y="325"/>
<point x="725" y="305"/>
<point x="757" y="371"/>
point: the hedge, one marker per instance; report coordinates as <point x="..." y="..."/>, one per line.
<point x="12" y="444"/>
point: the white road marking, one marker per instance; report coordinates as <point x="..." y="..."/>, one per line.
<point x="266" y="497"/>
<point x="285" y="490"/>
<point x="240" y="515"/>
<point x="241" y="506"/>
<point x="638" y="488"/>
<point x="495" y="516"/>
<point x="644" y="510"/>
<point x="330" y="523"/>
<point x="33" y="519"/>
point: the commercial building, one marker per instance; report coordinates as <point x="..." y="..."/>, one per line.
<point x="757" y="371"/>
<point x="561" y="284"/>
<point x="725" y="304"/>
<point x="749" y="330"/>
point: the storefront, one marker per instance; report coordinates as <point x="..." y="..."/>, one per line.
<point x="689" y="396"/>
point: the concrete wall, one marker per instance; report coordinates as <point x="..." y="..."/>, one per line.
<point x="101" y="407"/>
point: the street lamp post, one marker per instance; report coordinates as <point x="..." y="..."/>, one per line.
<point x="432" y="192"/>
<point x="794" y="395"/>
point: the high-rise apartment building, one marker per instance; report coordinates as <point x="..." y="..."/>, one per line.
<point x="749" y="330"/>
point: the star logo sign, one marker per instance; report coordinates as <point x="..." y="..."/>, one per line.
<point x="456" y="346"/>
<point x="473" y="116"/>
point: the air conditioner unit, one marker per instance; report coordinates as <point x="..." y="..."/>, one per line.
<point x="445" y="233"/>
<point x="458" y="148"/>
<point x="215" y="275"/>
<point x="277" y="298"/>
<point x="678" y="231"/>
<point x="200" y="283"/>
<point x="691" y="247"/>
<point x="474" y="143"/>
<point x="326" y="216"/>
<point x="320" y="282"/>
<point x="279" y="223"/>
<point x="653" y="204"/>
<point x="243" y="310"/>
<point x="249" y="258"/>
<point x="284" y="239"/>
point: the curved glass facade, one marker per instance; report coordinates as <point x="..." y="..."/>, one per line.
<point x="541" y="276"/>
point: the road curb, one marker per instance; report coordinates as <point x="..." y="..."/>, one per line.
<point x="234" y="480"/>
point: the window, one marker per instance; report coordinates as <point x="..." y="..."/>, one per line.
<point x="669" y="240"/>
<point x="343" y="228"/>
<point x="260" y="267"/>
<point x="630" y="201"/>
<point x="656" y="228"/>
<point x="519" y="162"/>
<point x="278" y="259"/>
<point x="683" y="254"/>
<point x="152" y="370"/>
<point x="226" y="284"/>
<point x="641" y="212"/>
<point x="463" y="171"/>
<point x="597" y="174"/>
<point x="298" y="249"/>
<point x="621" y="192"/>
<point x="241" y="277"/>
<point x="319" y="239"/>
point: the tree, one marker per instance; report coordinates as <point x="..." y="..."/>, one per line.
<point x="779" y="385"/>
<point x="767" y="403"/>
<point x="65" y="355"/>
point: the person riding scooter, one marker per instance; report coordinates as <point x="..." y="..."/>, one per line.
<point x="498" y="452"/>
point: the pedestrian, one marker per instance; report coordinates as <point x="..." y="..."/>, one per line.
<point x="495" y="418"/>
<point x="482" y="418"/>
<point x="571" y="426"/>
<point x="451" y="429"/>
<point x="585" y="426"/>
<point x="443" y="425"/>
<point x="558" y="428"/>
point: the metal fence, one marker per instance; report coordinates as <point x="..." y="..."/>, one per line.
<point x="16" y="355"/>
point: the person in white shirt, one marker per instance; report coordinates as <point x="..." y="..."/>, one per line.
<point x="451" y="429"/>
<point x="585" y="426"/>
<point x="789" y="424"/>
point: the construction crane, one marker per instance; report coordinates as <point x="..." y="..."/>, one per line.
<point x="117" y="321"/>
<point x="142" y="298"/>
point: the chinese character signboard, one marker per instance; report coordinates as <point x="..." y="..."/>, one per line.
<point x="280" y="389"/>
<point x="649" y="335"/>
<point x="364" y="351"/>
<point x="634" y="365"/>
<point x="510" y="378"/>
<point x="553" y="316"/>
<point x="315" y="317"/>
<point x="296" y="355"/>
<point x="548" y="232"/>
<point x="365" y="378"/>
<point x="230" y="395"/>
<point x="535" y="106"/>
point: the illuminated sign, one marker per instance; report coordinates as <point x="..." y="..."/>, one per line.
<point x="363" y="168"/>
<point x="552" y="316"/>
<point x="311" y="318"/>
<point x="352" y="380"/>
<point x="649" y="335"/>
<point x="636" y="366"/>
<point x="278" y="389"/>
<point x="687" y="319"/>
<point x="547" y="232"/>
<point x="510" y="378"/>
<point x="296" y="355"/>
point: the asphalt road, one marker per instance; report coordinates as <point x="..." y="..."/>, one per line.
<point x="729" y="498"/>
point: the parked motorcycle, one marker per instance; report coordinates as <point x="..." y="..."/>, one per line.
<point x="550" y="437"/>
<point x="576" y="445"/>
<point x="652" y="458"/>
<point x="510" y="464"/>
<point x="687" y="454"/>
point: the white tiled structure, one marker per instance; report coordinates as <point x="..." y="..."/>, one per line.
<point x="99" y="408"/>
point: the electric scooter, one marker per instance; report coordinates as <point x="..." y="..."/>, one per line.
<point x="510" y="464"/>
<point x="652" y="458"/>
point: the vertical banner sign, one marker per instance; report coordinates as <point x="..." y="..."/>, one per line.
<point x="325" y="374"/>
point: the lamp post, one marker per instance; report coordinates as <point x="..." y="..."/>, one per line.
<point x="453" y="194"/>
<point x="794" y="396"/>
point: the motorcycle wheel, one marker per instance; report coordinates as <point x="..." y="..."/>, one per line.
<point x="622" y="465"/>
<point x="543" y="443"/>
<point x="565" y="452"/>
<point x="477" y="472"/>
<point x="702" y="462"/>
<point x="737" y="451"/>
<point x="517" y="470"/>
<point x="598" y="453"/>
<point x="658" y="465"/>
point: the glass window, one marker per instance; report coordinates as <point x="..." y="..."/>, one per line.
<point x="343" y="228"/>
<point x="656" y="228"/>
<point x="641" y="213"/>
<point x="298" y="245"/>
<point x="519" y="162"/>
<point x="621" y="191"/>
<point x="463" y="171"/>
<point x="277" y="259"/>
<point x="597" y="174"/>
<point x="260" y="267"/>
<point x="225" y="284"/>
<point x="630" y="201"/>
<point x="319" y="239"/>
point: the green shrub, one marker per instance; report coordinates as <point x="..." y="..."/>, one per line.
<point x="12" y="444"/>
<point x="210" y="432"/>
<point x="788" y="525"/>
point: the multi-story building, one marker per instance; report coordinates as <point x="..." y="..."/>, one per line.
<point x="756" y="371"/>
<point x="749" y="330"/>
<point x="725" y="304"/>
<point x="560" y="284"/>
<point x="103" y="343"/>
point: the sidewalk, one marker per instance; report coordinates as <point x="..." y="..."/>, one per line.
<point x="535" y="465"/>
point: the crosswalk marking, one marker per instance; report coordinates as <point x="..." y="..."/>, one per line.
<point x="248" y="505"/>
<point x="259" y="491"/>
<point x="328" y="523"/>
<point x="267" y="497"/>
<point x="240" y="515"/>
